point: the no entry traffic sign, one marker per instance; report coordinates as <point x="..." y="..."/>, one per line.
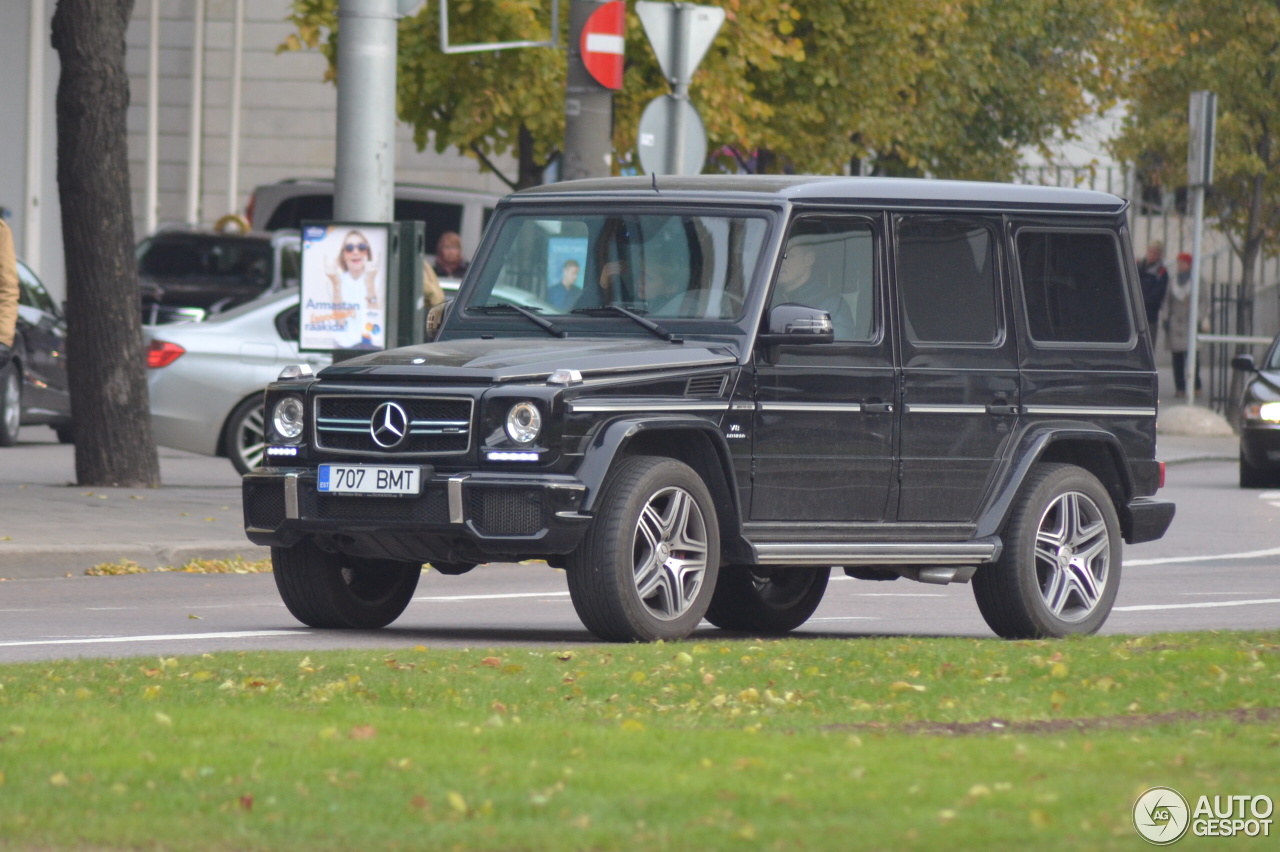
<point x="603" y="44"/>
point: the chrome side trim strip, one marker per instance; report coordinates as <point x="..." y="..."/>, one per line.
<point x="837" y="553"/>
<point x="291" y="496"/>
<point x="811" y="406"/>
<point x="456" y="515"/>
<point x="1098" y="411"/>
<point x="643" y="406"/>
<point x="944" y="409"/>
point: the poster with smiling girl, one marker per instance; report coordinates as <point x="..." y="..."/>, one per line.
<point x="344" y="286"/>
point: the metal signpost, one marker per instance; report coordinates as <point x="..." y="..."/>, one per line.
<point x="595" y="32"/>
<point x="1203" y="117"/>
<point x="673" y="140"/>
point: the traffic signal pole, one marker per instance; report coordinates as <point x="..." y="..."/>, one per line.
<point x="588" y="108"/>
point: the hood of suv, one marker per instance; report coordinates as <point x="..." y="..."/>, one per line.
<point x="525" y="359"/>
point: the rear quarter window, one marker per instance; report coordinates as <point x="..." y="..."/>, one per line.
<point x="1073" y="286"/>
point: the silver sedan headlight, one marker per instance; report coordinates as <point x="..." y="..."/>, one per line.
<point x="287" y="417"/>
<point x="524" y="423"/>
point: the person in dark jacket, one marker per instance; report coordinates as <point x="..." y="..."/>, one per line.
<point x="1155" y="283"/>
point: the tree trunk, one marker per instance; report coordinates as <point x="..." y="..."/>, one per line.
<point x="106" y="370"/>
<point x="530" y="169"/>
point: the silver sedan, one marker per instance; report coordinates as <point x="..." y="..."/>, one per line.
<point x="206" y="378"/>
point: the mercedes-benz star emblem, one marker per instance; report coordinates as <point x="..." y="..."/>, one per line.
<point x="389" y="425"/>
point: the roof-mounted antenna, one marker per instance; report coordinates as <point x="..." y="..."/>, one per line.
<point x="655" y="180"/>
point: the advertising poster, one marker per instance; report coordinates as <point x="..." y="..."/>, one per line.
<point x="344" y="287"/>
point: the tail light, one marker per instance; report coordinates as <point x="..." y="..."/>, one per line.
<point x="162" y="353"/>
<point x="1161" y="475"/>
<point x="248" y="210"/>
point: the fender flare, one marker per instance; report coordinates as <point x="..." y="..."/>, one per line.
<point x="613" y="438"/>
<point x="1029" y="450"/>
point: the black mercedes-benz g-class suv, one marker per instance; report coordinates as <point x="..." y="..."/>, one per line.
<point x="737" y="384"/>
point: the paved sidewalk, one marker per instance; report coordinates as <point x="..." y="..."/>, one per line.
<point x="49" y="527"/>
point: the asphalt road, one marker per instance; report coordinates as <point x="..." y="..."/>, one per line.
<point x="1217" y="569"/>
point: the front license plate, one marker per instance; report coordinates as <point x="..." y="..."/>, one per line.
<point x="369" y="479"/>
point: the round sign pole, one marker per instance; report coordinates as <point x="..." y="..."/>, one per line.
<point x="595" y="45"/>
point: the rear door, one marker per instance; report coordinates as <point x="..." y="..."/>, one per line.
<point x="823" y="425"/>
<point x="960" y="391"/>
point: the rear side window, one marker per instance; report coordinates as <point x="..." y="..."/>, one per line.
<point x="1073" y="286"/>
<point x="439" y="218"/>
<point x="946" y="274"/>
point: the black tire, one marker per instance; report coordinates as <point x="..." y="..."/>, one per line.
<point x="1060" y="568"/>
<point x="65" y="434"/>
<point x="676" y="562"/>
<point x="1253" y="477"/>
<point x="245" y="435"/>
<point x="760" y="600"/>
<point x="325" y="589"/>
<point x="10" y="404"/>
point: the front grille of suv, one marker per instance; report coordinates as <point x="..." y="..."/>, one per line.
<point x="439" y="425"/>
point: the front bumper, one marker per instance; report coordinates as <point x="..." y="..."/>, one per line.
<point x="465" y="517"/>
<point x="1260" y="444"/>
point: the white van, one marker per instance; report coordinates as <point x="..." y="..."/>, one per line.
<point x="288" y="203"/>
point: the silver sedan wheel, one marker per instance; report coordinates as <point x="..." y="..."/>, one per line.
<point x="670" y="553"/>
<point x="251" y="438"/>
<point x="12" y="407"/>
<point x="1073" y="556"/>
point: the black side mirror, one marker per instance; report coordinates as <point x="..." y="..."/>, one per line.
<point x="797" y="324"/>
<point x="1244" y="363"/>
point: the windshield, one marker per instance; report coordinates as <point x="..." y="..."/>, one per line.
<point x="655" y="264"/>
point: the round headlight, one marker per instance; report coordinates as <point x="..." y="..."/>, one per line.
<point x="524" y="422"/>
<point x="1269" y="411"/>
<point x="287" y="417"/>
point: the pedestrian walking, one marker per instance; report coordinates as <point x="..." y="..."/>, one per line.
<point x="1155" y="283"/>
<point x="8" y="294"/>
<point x="1177" y="319"/>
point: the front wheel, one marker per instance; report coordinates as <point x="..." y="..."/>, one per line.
<point x="10" y="404"/>
<point x="762" y="600"/>
<point x="647" y="566"/>
<point x="1060" y="569"/>
<point x="323" y="589"/>
<point x="245" y="437"/>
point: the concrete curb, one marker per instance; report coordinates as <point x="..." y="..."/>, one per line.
<point x="37" y="562"/>
<point x="1210" y="457"/>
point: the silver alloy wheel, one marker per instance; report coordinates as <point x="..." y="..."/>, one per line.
<point x="251" y="438"/>
<point x="1073" y="556"/>
<point x="12" y="401"/>
<point x="670" y="553"/>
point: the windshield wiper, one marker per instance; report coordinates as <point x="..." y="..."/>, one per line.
<point x="647" y="324"/>
<point x="541" y="322"/>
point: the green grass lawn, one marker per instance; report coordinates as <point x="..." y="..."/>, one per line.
<point x="801" y="744"/>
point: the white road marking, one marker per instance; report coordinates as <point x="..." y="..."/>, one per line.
<point x="1170" y="560"/>
<point x="494" y="597"/>
<point x="237" y="634"/>
<point x="844" y="618"/>
<point x="1204" y="605"/>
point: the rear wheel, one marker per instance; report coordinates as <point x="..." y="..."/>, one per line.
<point x="762" y="600"/>
<point x="323" y="589"/>
<point x="1253" y="477"/>
<point x="647" y="566"/>
<point x="245" y="437"/>
<point x="1060" y="569"/>
<point x="10" y="404"/>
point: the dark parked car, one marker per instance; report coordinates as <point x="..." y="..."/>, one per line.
<point x="1260" y="419"/>
<point x="188" y="275"/>
<point x="33" y="387"/>
<point x="751" y="380"/>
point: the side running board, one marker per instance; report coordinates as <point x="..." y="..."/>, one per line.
<point x="927" y="562"/>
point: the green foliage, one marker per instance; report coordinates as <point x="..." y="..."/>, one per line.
<point x="798" y="744"/>
<point x="953" y="88"/>
<point x="1232" y="48"/>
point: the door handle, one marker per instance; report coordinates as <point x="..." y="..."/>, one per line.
<point x="1002" y="407"/>
<point x="878" y="407"/>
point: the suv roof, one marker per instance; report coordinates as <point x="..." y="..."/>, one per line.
<point x="913" y="192"/>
